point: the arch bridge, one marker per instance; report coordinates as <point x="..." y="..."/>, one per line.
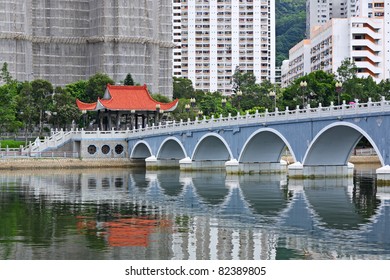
<point x="319" y="140"/>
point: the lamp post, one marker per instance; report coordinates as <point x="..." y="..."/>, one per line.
<point x="187" y="107"/>
<point x="272" y="95"/>
<point x="223" y="101"/>
<point x="193" y="102"/>
<point x="339" y="88"/>
<point x="200" y="113"/>
<point x="303" y="86"/>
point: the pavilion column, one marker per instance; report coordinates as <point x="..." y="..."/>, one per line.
<point x="109" y="123"/>
<point x="143" y="120"/>
<point x="98" y="120"/>
<point x="118" y="120"/>
<point x="101" y="125"/>
<point x="136" y="121"/>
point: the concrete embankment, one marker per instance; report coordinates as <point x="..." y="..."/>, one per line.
<point x="64" y="163"/>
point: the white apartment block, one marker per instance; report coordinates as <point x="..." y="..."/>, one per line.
<point x="319" y="12"/>
<point x="216" y="36"/>
<point x="364" y="38"/>
<point x="296" y="67"/>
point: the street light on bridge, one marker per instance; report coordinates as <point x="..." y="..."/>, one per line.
<point x="303" y="86"/>
<point x="339" y="88"/>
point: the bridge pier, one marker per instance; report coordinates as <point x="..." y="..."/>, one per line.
<point x="297" y="170"/>
<point x="235" y="167"/>
<point x="152" y="163"/>
<point x="383" y="175"/>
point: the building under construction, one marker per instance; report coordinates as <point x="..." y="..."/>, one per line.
<point x="65" y="41"/>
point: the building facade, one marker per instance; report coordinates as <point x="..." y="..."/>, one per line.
<point x="364" y="38"/>
<point x="215" y="37"/>
<point x="65" y="41"/>
<point x="319" y="12"/>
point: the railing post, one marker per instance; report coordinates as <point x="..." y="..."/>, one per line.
<point x="297" y="111"/>
<point x="343" y="107"/>
<point x="369" y="104"/>
<point x="383" y="103"/>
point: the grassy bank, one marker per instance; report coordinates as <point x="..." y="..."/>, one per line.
<point x="11" y="144"/>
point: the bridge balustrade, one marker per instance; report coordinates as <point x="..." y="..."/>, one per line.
<point x="256" y="122"/>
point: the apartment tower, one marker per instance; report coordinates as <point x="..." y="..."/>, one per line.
<point x="361" y="34"/>
<point x="214" y="37"/>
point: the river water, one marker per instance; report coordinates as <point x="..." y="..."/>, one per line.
<point x="163" y="215"/>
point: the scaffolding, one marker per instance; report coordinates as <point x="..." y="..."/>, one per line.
<point x="66" y="41"/>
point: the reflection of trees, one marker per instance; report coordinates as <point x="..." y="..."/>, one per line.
<point x="364" y="197"/>
<point x="41" y="222"/>
<point x="36" y="220"/>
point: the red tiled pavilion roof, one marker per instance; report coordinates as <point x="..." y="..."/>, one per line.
<point x="126" y="98"/>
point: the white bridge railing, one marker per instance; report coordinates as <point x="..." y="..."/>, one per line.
<point x="338" y="111"/>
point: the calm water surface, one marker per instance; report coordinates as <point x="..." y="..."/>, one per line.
<point x="137" y="214"/>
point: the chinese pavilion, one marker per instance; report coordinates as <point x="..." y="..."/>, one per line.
<point x="126" y="107"/>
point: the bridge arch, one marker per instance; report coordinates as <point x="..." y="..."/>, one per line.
<point x="212" y="147"/>
<point x="334" y="143"/>
<point x="141" y="150"/>
<point x="264" y="145"/>
<point x="171" y="148"/>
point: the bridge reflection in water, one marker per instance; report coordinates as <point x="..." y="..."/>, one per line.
<point x="173" y="215"/>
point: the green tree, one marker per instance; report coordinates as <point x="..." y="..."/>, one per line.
<point x="78" y="89"/>
<point x="26" y="110"/>
<point x="320" y="88"/>
<point x="41" y="93"/>
<point x="128" y="80"/>
<point x="384" y="89"/>
<point x="5" y="76"/>
<point x="8" y="107"/>
<point x="97" y="86"/>
<point x="182" y="88"/>
<point x="243" y="81"/>
<point x="64" y="110"/>
<point x="160" y="98"/>
<point x="290" y="26"/>
<point x="347" y="71"/>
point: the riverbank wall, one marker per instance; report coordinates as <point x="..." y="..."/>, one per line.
<point x="73" y="163"/>
<point x="66" y="163"/>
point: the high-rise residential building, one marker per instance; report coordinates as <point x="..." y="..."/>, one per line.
<point x="65" y="41"/>
<point x="319" y="12"/>
<point x="214" y="37"/>
<point x="363" y="36"/>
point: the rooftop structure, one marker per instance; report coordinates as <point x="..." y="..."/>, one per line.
<point x="126" y="104"/>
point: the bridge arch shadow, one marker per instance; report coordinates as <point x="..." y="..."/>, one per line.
<point x="141" y="150"/>
<point x="171" y="148"/>
<point x="264" y="146"/>
<point x="212" y="147"/>
<point x="334" y="144"/>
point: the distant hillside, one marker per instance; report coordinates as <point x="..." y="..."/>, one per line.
<point x="290" y="26"/>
